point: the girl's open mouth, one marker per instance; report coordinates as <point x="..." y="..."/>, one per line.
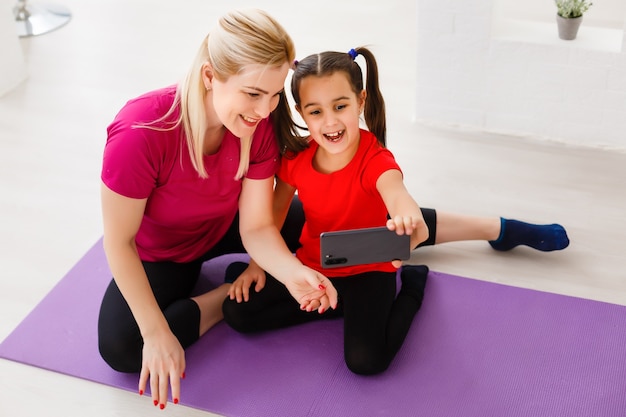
<point x="334" y="136"/>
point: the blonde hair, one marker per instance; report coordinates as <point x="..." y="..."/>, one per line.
<point x="241" y="38"/>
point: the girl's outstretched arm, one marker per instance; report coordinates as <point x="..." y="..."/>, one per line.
<point x="405" y="213"/>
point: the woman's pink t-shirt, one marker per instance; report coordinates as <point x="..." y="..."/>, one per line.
<point x="185" y="215"/>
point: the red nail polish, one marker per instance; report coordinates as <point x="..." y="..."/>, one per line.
<point x="161" y="406"/>
<point x="175" y="400"/>
<point x="155" y="402"/>
<point x="183" y="376"/>
<point x="321" y="287"/>
<point x="140" y="392"/>
<point x="322" y="311"/>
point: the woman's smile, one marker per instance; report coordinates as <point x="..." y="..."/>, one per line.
<point x="249" y="121"/>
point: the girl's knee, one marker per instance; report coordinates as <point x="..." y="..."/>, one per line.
<point x="236" y="317"/>
<point x="366" y="362"/>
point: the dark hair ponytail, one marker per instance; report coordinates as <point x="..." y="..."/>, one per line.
<point x="286" y="130"/>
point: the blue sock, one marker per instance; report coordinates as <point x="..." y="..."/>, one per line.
<point x="543" y="237"/>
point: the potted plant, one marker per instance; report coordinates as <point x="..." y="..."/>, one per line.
<point x="569" y="16"/>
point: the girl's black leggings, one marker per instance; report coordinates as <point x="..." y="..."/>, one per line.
<point x="119" y="339"/>
<point x="376" y="322"/>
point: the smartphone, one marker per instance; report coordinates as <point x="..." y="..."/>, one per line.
<point x="363" y="246"/>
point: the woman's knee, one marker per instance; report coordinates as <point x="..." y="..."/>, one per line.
<point x="119" y="340"/>
<point x="121" y="354"/>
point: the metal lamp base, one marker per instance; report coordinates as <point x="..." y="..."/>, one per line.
<point x="35" y="20"/>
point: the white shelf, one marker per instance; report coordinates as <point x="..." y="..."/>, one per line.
<point x="589" y="37"/>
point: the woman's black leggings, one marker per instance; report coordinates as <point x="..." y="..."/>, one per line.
<point x="119" y="339"/>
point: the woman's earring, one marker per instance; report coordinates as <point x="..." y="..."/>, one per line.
<point x="207" y="88"/>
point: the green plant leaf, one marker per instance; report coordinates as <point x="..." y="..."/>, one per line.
<point x="569" y="9"/>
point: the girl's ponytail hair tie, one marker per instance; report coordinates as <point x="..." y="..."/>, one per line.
<point x="353" y="54"/>
<point x="294" y="64"/>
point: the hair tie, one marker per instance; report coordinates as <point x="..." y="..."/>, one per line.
<point x="294" y="64"/>
<point x="353" y="54"/>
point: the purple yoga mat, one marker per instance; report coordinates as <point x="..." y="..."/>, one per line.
<point x="475" y="349"/>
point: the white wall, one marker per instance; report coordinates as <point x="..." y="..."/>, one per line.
<point x="529" y="83"/>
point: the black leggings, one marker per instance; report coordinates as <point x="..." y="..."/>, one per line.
<point x="119" y="339"/>
<point x="375" y="320"/>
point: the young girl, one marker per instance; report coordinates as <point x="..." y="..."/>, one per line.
<point x="346" y="179"/>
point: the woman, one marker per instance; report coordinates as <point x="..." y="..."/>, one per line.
<point x="186" y="171"/>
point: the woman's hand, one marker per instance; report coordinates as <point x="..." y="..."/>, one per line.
<point x="163" y="361"/>
<point x="163" y="358"/>
<point x="312" y="290"/>
<point x="263" y="242"/>
<point x="240" y="289"/>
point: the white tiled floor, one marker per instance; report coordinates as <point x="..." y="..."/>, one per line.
<point x="52" y="129"/>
